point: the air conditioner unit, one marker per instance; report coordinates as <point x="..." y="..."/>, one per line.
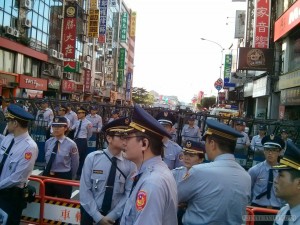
<point x="56" y="72"/>
<point x="16" y="33"/>
<point x="53" y="53"/>
<point x="60" y="55"/>
<point x="26" y="4"/>
<point x="26" y="22"/>
<point x="58" y="67"/>
<point x="67" y="76"/>
<point x="9" y="30"/>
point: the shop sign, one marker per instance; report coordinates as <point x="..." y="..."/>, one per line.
<point x="53" y="84"/>
<point x="109" y="37"/>
<point x="33" y="83"/>
<point x="93" y="4"/>
<point x="290" y="96"/>
<point x="68" y="86"/>
<point x="3" y="82"/>
<point x="79" y="88"/>
<point x="262" y="24"/>
<point x="227" y="67"/>
<point x="240" y="17"/>
<point x="255" y="59"/>
<point x="120" y="78"/>
<point x="260" y="87"/>
<point x="289" y="80"/>
<point x="287" y="21"/>
<point x="87" y="80"/>
<point x="128" y="86"/>
<point x="281" y="112"/>
<point x="72" y="66"/>
<point x="69" y="32"/>
<point x="132" y="24"/>
<point x="6" y="79"/>
<point x="123" y="32"/>
<point x="121" y="64"/>
<point x="103" y="18"/>
<point x="34" y="93"/>
<point x="249" y="24"/>
<point x="93" y="23"/>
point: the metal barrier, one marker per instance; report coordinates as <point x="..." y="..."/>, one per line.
<point x="252" y="213"/>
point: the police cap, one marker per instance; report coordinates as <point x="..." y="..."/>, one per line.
<point x="262" y="127"/>
<point x="144" y="122"/>
<point x="16" y="112"/>
<point x="82" y="110"/>
<point x="194" y="147"/>
<point x="166" y="118"/>
<point x="59" y="121"/>
<point x="272" y="141"/>
<point x="120" y="125"/>
<point x="291" y="158"/>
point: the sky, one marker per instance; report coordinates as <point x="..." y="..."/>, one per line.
<point x="170" y="57"/>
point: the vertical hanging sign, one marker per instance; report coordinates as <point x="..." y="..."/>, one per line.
<point x="93" y="23"/>
<point x="69" y="33"/>
<point x="128" y="87"/>
<point x="227" y="68"/>
<point x="103" y="17"/>
<point x="121" y="66"/>
<point x="262" y="24"/>
<point x="123" y="33"/>
<point x="132" y="24"/>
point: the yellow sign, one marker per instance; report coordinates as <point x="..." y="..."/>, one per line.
<point x="93" y="23"/>
<point x="94" y="4"/>
<point x="132" y="24"/>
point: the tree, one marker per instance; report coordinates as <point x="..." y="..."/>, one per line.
<point x="208" y="101"/>
<point x="142" y="96"/>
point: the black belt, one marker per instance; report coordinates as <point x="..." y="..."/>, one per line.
<point x="267" y="207"/>
<point x="11" y="192"/>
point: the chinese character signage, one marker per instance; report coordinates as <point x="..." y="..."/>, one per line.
<point x="87" y="80"/>
<point x="69" y="66"/>
<point x="240" y="17"/>
<point x="103" y="17"/>
<point x="54" y="84"/>
<point x="69" y="32"/>
<point x="262" y="24"/>
<point x="249" y="23"/>
<point x="123" y="33"/>
<point x="93" y="4"/>
<point x="227" y="68"/>
<point x="120" y="78"/>
<point x="132" y="24"/>
<point x="109" y="37"/>
<point x="33" y="83"/>
<point x="128" y="87"/>
<point x="68" y="86"/>
<point x="121" y="65"/>
<point x="93" y="23"/>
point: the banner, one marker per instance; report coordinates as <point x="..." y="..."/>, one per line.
<point x="227" y="67"/>
<point x="87" y="80"/>
<point x="93" y="23"/>
<point x="132" y="24"/>
<point x="103" y="18"/>
<point x="69" y="32"/>
<point x="128" y="87"/>
<point x="123" y="33"/>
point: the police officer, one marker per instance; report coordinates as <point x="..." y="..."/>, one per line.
<point x="172" y="151"/>
<point x="96" y="204"/>
<point x="216" y="192"/>
<point x="287" y="186"/>
<point x="18" y="153"/>
<point x="256" y="145"/>
<point x="193" y="154"/>
<point x="262" y="176"/>
<point x="72" y="116"/>
<point x="62" y="158"/>
<point x="114" y="115"/>
<point x="83" y="132"/>
<point x="153" y="198"/>
<point x="285" y="137"/>
<point x="44" y="117"/>
<point x="190" y="131"/>
<point x="96" y="121"/>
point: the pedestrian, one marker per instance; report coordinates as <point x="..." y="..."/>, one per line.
<point x="153" y="197"/>
<point x="96" y="121"/>
<point x="83" y="132"/>
<point x="114" y="115"/>
<point x="72" y="116"/>
<point x="285" y="137"/>
<point x="190" y="131"/>
<point x="62" y="159"/>
<point x="193" y="154"/>
<point x="287" y="186"/>
<point x="44" y="117"/>
<point x="106" y="178"/>
<point x="18" y="153"/>
<point x="216" y="192"/>
<point x="172" y="154"/>
<point x="262" y="176"/>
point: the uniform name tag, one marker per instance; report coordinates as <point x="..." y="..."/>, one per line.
<point x="98" y="171"/>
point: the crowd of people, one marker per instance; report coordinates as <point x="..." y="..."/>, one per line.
<point x="143" y="176"/>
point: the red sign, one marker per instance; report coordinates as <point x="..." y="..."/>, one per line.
<point x="79" y="88"/>
<point x="68" y="86"/>
<point x="281" y="112"/>
<point x="3" y="82"/>
<point x="287" y="21"/>
<point x="101" y="38"/>
<point x="33" y="83"/>
<point x="69" y="38"/>
<point x="87" y="80"/>
<point x="262" y="24"/>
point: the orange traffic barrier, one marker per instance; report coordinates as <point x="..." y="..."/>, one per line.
<point x="252" y="214"/>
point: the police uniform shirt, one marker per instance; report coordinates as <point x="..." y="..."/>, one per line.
<point x="96" y="121"/>
<point x="179" y="173"/>
<point x="20" y="162"/>
<point x="67" y="156"/>
<point x="154" y="198"/>
<point x="1" y="138"/>
<point x="256" y="144"/>
<point x="85" y="129"/>
<point x="242" y="141"/>
<point x="216" y="192"/>
<point x="172" y="154"/>
<point x="259" y="177"/>
<point x="72" y="116"/>
<point x="93" y="179"/>
<point x="191" y="133"/>
<point x="294" y="218"/>
<point x="46" y="116"/>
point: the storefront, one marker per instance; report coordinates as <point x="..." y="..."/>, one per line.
<point x="261" y="91"/>
<point x="67" y="89"/>
<point x="32" y="87"/>
<point x="53" y="89"/>
<point x="8" y="84"/>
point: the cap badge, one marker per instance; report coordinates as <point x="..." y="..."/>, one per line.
<point x="126" y="121"/>
<point x="165" y="114"/>
<point x="56" y="120"/>
<point x="188" y="144"/>
<point x="272" y="136"/>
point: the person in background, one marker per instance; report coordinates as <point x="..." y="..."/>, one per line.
<point x="262" y="176"/>
<point x="5" y="103"/>
<point x="72" y="116"/>
<point x="96" y="203"/>
<point x="83" y="132"/>
<point x="18" y="153"/>
<point x="62" y="158"/>
<point x="193" y="154"/>
<point x="153" y="196"/>
<point x="256" y="145"/>
<point x="96" y="121"/>
<point x="216" y="192"/>
<point x="44" y="117"/>
<point x="172" y="155"/>
<point x="242" y="143"/>
<point x="285" y="137"/>
<point x="190" y="131"/>
<point x="114" y="115"/>
<point x="287" y="186"/>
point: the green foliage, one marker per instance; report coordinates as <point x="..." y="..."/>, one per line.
<point x="208" y="101"/>
<point x="142" y="96"/>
